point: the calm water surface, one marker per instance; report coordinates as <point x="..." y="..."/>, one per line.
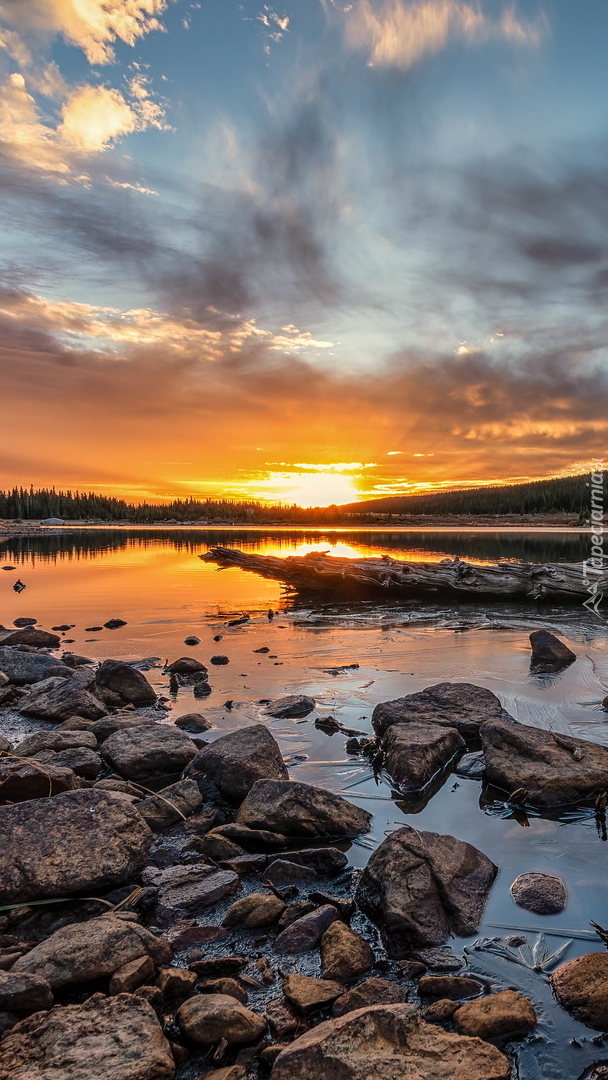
<point x="154" y="579"/>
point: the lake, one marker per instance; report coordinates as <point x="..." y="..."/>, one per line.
<point x="154" y="580"/>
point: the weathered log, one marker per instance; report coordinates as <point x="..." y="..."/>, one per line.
<point x="316" y="571"/>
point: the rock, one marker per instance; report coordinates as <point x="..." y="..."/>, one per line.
<point x="208" y="1018"/>
<point x="541" y="893"/>
<point x="388" y="1042"/>
<point x="440" y="1011"/>
<point x="107" y="725"/>
<point x="20" y="782"/>
<point x="24" y="621"/>
<point x="230" y="1072"/>
<point x="218" y="847"/>
<point x="186" y="665"/>
<point x="218" y="966"/>
<point x="463" y="706"/>
<point x="189" y="888"/>
<point x="237" y="760"/>
<point x="219" y="660"/>
<point x="257" y="909"/>
<point x="581" y="987"/>
<point x="23" y="994"/>
<point x="442" y="959"/>
<point x="344" y="955"/>
<point x="253" y="840"/>
<point x="192" y="639"/>
<point x="370" y="992"/>
<point x="171" y="804"/>
<point x="224" y="986"/>
<point x="306" y="932"/>
<point x="176" y="984"/>
<point x="415" y="753"/>
<point x="29" y="635"/>
<point x="6" y="747"/>
<point x="194" y="722"/>
<point x="153" y="996"/>
<point x="294" y="809"/>
<point x="56" y="741"/>
<point x="245" y="864"/>
<point x="74" y="660"/>
<point x="496" y="1016"/>
<point x="448" y="986"/>
<point x="22" y="668"/>
<point x="52" y="521"/>
<point x="81" y="952"/>
<point x="308" y="994"/>
<point x="421" y="887"/>
<point x="114" y="624"/>
<point x="552" y="769"/>
<point x="132" y="975"/>
<point x="547" y="648"/>
<point x="68" y="697"/>
<point x="118" y="683"/>
<point x="326" y="860"/>
<point x="295" y="911"/>
<point x="82" y="761"/>
<point x="77" y="842"/>
<point x="284" y="1021"/>
<point x="282" y="872"/>
<point x="293" y="706"/>
<point x="117" y="1038"/>
<point x="138" y="753"/>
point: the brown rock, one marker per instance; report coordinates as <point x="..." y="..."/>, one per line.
<point x="77" y="842"/>
<point x="257" y="909"/>
<point x="344" y="955"/>
<point x="463" y="706"/>
<point x="117" y="1038"/>
<point x="308" y="994"/>
<point x="176" y="984"/>
<point x="134" y="974"/>
<point x="388" y="1042"/>
<point x="118" y="683"/>
<point x="56" y="741"/>
<point x="207" y="1018"/>
<point x="138" y="753"/>
<point x="448" y="986"/>
<point x="230" y="987"/>
<point x="29" y="635"/>
<point x="306" y="932"/>
<point x="284" y="1021"/>
<point x="541" y="893"/>
<point x="20" y="782"/>
<point x="294" y="809"/>
<point x="547" y="648"/>
<point x="291" y="707"/>
<point x="171" y="804"/>
<point x="22" y="993"/>
<point x="502" y="1014"/>
<point x="370" y="992"/>
<point x="415" y="753"/>
<point x="193" y="722"/>
<point x="237" y="760"/>
<point x="190" y="888"/>
<point x="581" y="987"/>
<point x="440" y="1011"/>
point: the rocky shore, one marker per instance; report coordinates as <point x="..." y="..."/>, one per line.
<point x="173" y="904"/>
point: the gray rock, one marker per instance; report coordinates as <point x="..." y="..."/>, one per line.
<point x="548" y="649"/>
<point x="55" y="741"/>
<point x="541" y="893"/>
<point x="326" y="860"/>
<point x="171" y="804"/>
<point x="22" y="993"/>
<point x="291" y="707"/>
<point x="138" y="753"/>
<point x="553" y="770"/>
<point x="416" y="753"/>
<point x="463" y="706"/>
<point x="117" y="1038"/>
<point x="282" y="872"/>
<point x="77" y="842"/>
<point x="82" y="761"/>
<point x="295" y="809"/>
<point x="186" y="665"/>
<point x="305" y="933"/>
<point x="388" y="1042"/>
<point x="22" y="668"/>
<point x="188" y="888"/>
<point x="82" y="952"/>
<point x="30" y="635"/>
<point x="107" y="725"/>
<point x="253" y="840"/>
<point x="421" y="887"/>
<point x="237" y="760"/>
<point x="118" y="683"/>
<point x="66" y="698"/>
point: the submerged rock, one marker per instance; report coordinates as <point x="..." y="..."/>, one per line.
<point x="548" y="649"/>
<point x="138" y="753"/>
<point x="581" y="987"/>
<point x="541" y="893"/>
<point x="117" y="1038"/>
<point x="551" y="769"/>
<point x="76" y="842"/>
<point x="388" y="1042"/>
<point x="237" y="760"/>
<point x="463" y="706"/>
<point x="421" y="887"/>
<point x="294" y="809"/>
<point x="293" y="706"/>
<point x="415" y="753"/>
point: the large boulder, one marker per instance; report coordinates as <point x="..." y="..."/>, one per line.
<point x="29" y="667"/>
<point x="415" y="753"/>
<point x="118" y="683"/>
<point x="581" y="987"/>
<point x="388" y="1042"/>
<point x="138" y="753"/>
<point x="552" y="769"/>
<point x="64" y="698"/>
<point x="237" y="760"/>
<point x="82" y="952"/>
<point x="118" y="1038"/>
<point x="463" y="706"/>
<point x="208" y="1018"/>
<point x="77" y="842"/>
<point x="421" y="887"/>
<point x="294" y="809"/>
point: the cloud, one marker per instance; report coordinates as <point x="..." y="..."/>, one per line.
<point x="91" y="25"/>
<point x="399" y="34"/>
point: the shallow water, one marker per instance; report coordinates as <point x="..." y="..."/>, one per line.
<point x="154" y="580"/>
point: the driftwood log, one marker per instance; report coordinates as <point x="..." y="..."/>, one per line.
<point x="318" y="571"/>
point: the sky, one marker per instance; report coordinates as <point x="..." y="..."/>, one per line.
<point x="311" y="251"/>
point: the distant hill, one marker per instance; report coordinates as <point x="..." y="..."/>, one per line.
<point x="569" y="495"/>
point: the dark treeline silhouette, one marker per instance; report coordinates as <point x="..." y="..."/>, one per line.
<point x="568" y="495"/>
